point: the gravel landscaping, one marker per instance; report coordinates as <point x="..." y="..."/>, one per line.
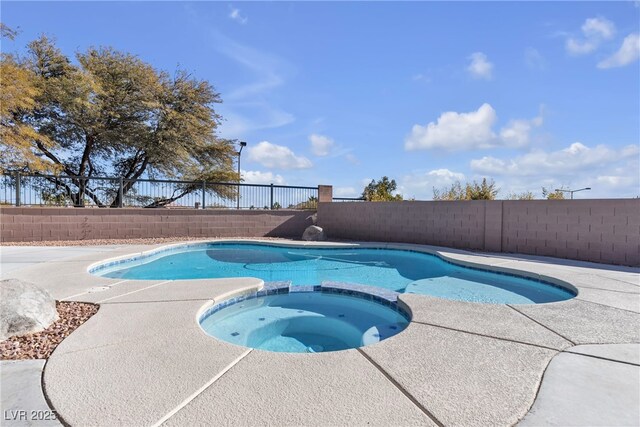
<point x="40" y="345"/>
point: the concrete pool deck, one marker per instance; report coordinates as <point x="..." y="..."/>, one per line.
<point x="143" y="359"/>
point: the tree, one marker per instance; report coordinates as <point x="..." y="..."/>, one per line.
<point x="470" y="191"/>
<point x="115" y="114"/>
<point x="552" y="195"/>
<point x="453" y="192"/>
<point x="18" y="93"/>
<point x="381" y="191"/>
<point x="483" y="191"/>
<point x="526" y="195"/>
<point x="310" y="203"/>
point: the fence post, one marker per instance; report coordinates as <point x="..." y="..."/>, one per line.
<point x="120" y="192"/>
<point x="271" y="204"/>
<point x="204" y="192"/>
<point x="18" y="188"/>
<point x="325" y="193"/>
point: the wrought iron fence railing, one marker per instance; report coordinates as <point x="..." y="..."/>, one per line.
<point x="19" y="189"/>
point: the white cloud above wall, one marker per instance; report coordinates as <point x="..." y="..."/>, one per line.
<point x="420" y="185"/>
<point x="479" y="66"/>
<point x="455" y="131"/>
<point x="346" y="192"/>
<point x="237" y="16"/>
<point x="517" y="133"/>
<point x="594" y="32"/>
<point x="473" y="130"/>
<point x="321" y="145"/>
<point x="628" y="53"/>
<point x="277" y="156"/>
<point x="259" y="177"/>
<point x="599" y="28"/>
<point x="538" y="162"/>
<point x="606" y="169"/>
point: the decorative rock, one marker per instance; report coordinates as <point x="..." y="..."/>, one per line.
<point x="313" y="218"/>
<point x="313" y="233"/>
<point x="24" y="308"/>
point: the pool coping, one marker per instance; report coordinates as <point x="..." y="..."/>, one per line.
<point x="542" y="331"/>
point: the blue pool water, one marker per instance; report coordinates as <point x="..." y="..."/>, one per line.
<point x="400" y="271"/>
<point x="304" y="322"/>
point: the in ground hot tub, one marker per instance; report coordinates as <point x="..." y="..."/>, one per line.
<point x="305" y="322"/>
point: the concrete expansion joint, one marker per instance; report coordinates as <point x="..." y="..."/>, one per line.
<point x="107" y="286"/>
<point x="43" y="387"/>
<point x="155" y="302"/>
<point x="538" y="388"/>
<point x="610" y="290"/>
<point x="541" y="324"/>
<point x="133" y="292"/>
<point x="608" y="359"/>
<point x="485" y="336"/>
<point x="636" y="284"/>
<point x="202" y="389"/>
<point x="608" y="306"/>
<point x="401" y="388"/>
<point x="119" y="343"/>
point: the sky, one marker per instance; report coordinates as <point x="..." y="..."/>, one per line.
<point x="529" y="94"/>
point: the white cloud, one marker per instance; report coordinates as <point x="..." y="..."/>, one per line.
<point x="534" y="59"/>
<point x="258" y="177"/>
<point x="455" y="131"/>
<point x="563" y="162"/>
<point x="629" y="52"/>
<point x="599" y="28"/>
<point x="517" y="133"/>
<point x="247" y="106"/>
<point x="421" y="77"/>
<point x="351" y="158"/>
<point x="577" y="47"/>
<point x="594" y="30"/>
<point x="480" y="67"/>
<point x="277" y="156"/>
<point x="346" y="192"/>
<point x="248" y="118"/>
<point x="236" y="16"/>
<point x="614" y="180"/>
<point x="321" y="145"/>
<point x="611" y="172"/>
<point x="473" y="130"/>
<point x="421" y="185"/>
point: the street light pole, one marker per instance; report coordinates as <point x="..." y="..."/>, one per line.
<point x="572" y="191"/>
<point x="242" y="145"/>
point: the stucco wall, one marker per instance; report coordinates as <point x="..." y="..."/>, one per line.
<point x="590" y="230"/>
<point x="36" y="224"/>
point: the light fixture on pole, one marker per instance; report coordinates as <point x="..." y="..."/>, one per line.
<point x="242" y="145"/>
<point x="572" y="191"/>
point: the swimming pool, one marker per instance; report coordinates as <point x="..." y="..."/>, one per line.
<point x="397" y="270"/>
<point x="304" y="322"/>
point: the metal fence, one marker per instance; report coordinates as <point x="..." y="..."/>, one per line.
<point x="63" y="190"/>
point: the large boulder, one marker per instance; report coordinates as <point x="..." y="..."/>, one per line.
<point x="24" y="308"/>
<point x="313" y="233"/>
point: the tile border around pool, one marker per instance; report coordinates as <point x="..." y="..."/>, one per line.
<point x="369" y="293"/>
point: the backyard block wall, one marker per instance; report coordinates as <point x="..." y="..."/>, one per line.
<point x="606" y="230"/>
<point x="38" y="224"/>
